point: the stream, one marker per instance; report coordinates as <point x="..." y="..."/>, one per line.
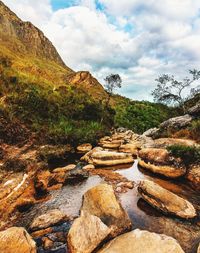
<point x="143" y="216"/>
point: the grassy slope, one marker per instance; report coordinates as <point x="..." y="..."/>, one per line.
<point x="41" y="94"/>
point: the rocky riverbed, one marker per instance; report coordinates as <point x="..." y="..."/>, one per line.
<point x="128" y="183"/>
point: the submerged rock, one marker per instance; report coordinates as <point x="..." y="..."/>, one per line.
<point x="16" y="240"/>
<point x="48" y="219"/>
<point x="160" y="162"/>
<point x="102" y="202"/>
<point x="138" y="241"/>
<point x="166" y="201"/>
<point x="86" y="233"/>
<point x="107" y="158"/>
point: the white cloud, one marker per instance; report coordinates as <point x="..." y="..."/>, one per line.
<point x="164" y="37"/>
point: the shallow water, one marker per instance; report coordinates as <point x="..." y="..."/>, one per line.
<point x="143" y="216"/>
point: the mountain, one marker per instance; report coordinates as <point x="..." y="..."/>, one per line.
<point x="42" y="97"/>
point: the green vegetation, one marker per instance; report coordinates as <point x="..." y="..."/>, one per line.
<point x="140" y="116"/>
<point x="189" y="155"/>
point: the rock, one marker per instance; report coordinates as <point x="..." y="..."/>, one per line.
<point x="77" y="174"/>
<point x="138" y="241"/>
<point x="48" y="219"/>
<point x="65" y="169"/>
<point x="160" y="162"/>
<point x="193" y="176"/>
<point x="177" y="122"/>
<point x="84" y="148"/>
<point x="198" y="250"/>
<point x="165" y="200"/>
<point x="89" y="167"/>
<point x="41" y="182"/>
<point x="102" y="202"/>
<point x="47" y="243"/>
<point x="16" y="240"/>
<point x="41" y="232"/>
<point x="152" y="132"/>
<point x="86" y="233"/>
<point x="87" y="156"/>
<point x="129" y="148"/>
<point x="113" y="144"/>
<point x="195" y="110"/>
<point x="108" y="158"/>
<point x="165" y="142"/>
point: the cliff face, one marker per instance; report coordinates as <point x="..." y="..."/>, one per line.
<point x="24" y="37"/>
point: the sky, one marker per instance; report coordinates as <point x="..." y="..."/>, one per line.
<point x="138" y="39"/>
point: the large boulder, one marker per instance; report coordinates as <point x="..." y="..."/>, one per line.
<point x="177" y="122"/>
<point x="165" y="142"/>
<point x="193" y="176"/>
<point x="195" y="110"/>
<point x="166" y="201"/>
<point x="102" y="202"/>
<point x="16" y="240"/>
<point x="86" y="233"/>
<point x="160" y="162"/>
<point x="48" y="219"/>
<point x="138" y="241"/>
<point x="152" y="132"/>
<point x="108" y="158"/>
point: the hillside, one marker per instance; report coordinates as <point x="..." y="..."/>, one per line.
<point x="39" y="94"/>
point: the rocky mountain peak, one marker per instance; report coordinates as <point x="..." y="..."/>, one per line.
<point x="24" y="37"/>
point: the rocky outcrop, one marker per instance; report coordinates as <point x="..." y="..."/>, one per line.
<point x="84" y="148"/>
<point x="100" y="157"/>
<point x="138" y="241"/>
<point x="152" y="132"/>
<point x="85" y="80"/>
<point x="177" y="122"/>
<point x="193" y="176"/>
<point x="86" y="233"/>
<point x="102" y="202"/>
<point x="195" y="110"/>
<point x="165" y="142"/>
<point x="160" y="162"/>
<point x="166" y="201"/>
<point x="29" y="37"/>
<point x="16" y="240"/>
<point x="48" y="219"/>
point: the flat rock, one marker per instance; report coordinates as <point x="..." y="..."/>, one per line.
<point x="84" y="148"/>
<point x="48" y="219"/>
<point x="129" y="148"/>
<point x="166" y="201"/>
<point x="108" y="158"/>
<point x="160" y="162"/>
<point x="138" y="241"/>
<point x="102" y="202"/>
<point x="65" y="169"/>
<point x="86" y="233"/>
<point x="16" y="240"/>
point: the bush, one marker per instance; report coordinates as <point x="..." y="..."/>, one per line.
<point x="195" y="130"/>
<point x="188" y="154"/>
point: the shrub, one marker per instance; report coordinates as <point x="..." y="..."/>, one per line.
<point x="195" y="130"/>
<point x="188" y="154"/>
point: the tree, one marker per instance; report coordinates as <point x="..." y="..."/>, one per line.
<point x="113" y="82"/>
<point x="171" y="91"/>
